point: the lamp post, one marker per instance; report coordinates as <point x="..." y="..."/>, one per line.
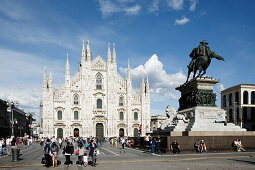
<point x="11" y="104"/>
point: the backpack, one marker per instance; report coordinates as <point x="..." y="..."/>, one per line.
<point x="47" y="148"/>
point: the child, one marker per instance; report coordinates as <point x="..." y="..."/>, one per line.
<point x="94" y="158"/>
<point x="85" y="159"/>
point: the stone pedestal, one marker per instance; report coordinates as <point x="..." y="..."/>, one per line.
<point x="198" y="108"/>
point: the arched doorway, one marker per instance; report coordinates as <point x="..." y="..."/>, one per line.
<point x="121" y="132"/>
<point x="60" y="133"/>
<point x="99" y="130"/>
<point x="76" y="132"/>
<point x="135" y="132"/>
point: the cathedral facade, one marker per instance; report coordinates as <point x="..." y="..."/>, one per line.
<point x="95" y="101"/>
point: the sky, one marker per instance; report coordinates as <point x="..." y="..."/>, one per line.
<point x="157" y="37"/>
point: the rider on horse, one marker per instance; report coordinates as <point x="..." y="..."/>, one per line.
<point x="201" y="50"/>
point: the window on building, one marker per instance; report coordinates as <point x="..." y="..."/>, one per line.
<point x="224" y="101"/>
<point x="121" y="116"/>
<point x="230" y="99"/>
<point x="121" y="101"/>
<point x="59" y="115"/>
<point x="245" y="97"/>
<point x="135" y="116"/>
<point x="245" y="113"/>
<point x="252" y="97"/>
<point x="76" y="115"/>
<point x="238" y="114"/>
<point x="99" y="81"/>
<point x="99" y="104"/>
<point x="230" y="115"/>
<point x="76" y="99"/>
<point x="252" y="113"/>
<point x="237" y="97"/>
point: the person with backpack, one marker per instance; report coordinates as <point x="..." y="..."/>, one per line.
<point x="68" y="149"/>
<point x="47" y="150"/>
<point x="54" y="154"/>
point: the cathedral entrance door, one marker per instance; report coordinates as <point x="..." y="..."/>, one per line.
<point x="99" y="130"/>
<point x="60" y="133"/>
<point x="135" y="132"/>
<point x="76" y="132"/>
<point x="121" y="132"/>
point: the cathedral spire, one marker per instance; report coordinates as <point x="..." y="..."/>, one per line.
<point x="83" y="52"/>
<point x="50" y="80"/>
<point x="109" y="53"/>
<point x="88" y="51"/>
<point x="45" y="79"/>
<point x="113" y="53"/>
<point x="67" y="65"/>
<point x="129" y="71"/>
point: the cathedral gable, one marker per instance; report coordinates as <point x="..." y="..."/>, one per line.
<point x="98" y="64"/>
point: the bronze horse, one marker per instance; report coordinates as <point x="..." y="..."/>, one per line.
<point x="201" y="64"/>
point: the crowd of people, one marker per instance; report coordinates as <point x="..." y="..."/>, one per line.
<point x="6" y="144"/>
<point x="84" y="148"/>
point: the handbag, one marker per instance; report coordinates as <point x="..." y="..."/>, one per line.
<point x="77" y="152"/>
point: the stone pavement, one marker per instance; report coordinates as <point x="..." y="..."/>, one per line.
<point x="111" y="158"/>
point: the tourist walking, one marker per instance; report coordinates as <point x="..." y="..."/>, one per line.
<point x="68" y="150"/>
<point x="80" y="149"/>
<point x="47" y="150"/>
<point x="123" y="143"/>
<point x="153" y="144"/>
<point x="158" y="145"/>
<point x="92" y="149"/>
<point x="8" y="146"/>
<point x="54" y="154"/>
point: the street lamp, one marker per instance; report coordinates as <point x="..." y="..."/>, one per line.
<point x="11" y="104"/>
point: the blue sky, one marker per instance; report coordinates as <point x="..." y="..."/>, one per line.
<point x="156" y="35"/>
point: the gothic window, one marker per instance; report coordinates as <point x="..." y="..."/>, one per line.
<point x="135" y="116"/>
<point x="76" y="115"/>
<point x="224" y="101"/>
<point x="245" y="97"/>
<point x="230" y="99"/>
<point x="121" y="115"/>
<point x="76" y="99"/>
<point x="121" y="101"/>
<point x="99" y="104"/>
<point x="59" y="115"/>
<point x="237" y="98"/>
<point x="252" y="97"/>
<point x="99" y="81"/>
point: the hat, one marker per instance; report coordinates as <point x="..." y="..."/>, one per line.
<point x="204" y="42"/>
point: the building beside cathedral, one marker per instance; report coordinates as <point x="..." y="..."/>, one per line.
<point x="95" y="101"/>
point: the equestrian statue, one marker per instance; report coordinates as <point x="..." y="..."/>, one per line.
<point x="201" y="59"/>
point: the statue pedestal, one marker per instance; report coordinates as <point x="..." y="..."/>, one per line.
<point x="198" y="108"/>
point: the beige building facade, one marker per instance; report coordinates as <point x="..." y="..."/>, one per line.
<point x="239" y="102"/>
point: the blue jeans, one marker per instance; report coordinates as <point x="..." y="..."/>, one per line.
<point x="152" y="148"/>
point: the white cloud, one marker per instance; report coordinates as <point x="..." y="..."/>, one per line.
<point x="160" y="82"/>
<point x="22" y="76"/>
<point x="193" y="4"/>
<point x="176" y="4"/>
<point x="154" y="6"/>
<point x="109" y="7"/>
<point x="134" y="10"/>
<point x="182" y="21"/>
